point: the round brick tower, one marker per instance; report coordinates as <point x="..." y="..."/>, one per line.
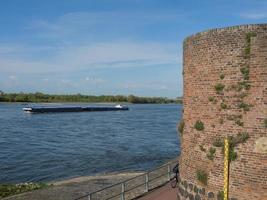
<point x="225" y="96"/>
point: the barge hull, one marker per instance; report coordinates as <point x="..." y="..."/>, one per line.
<point x="73" y="109"/>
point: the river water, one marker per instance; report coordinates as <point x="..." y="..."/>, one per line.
<point x="56" y="146"/>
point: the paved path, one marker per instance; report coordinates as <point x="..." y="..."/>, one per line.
<point x="73" y="188"/>
<point x="165" y="192"/>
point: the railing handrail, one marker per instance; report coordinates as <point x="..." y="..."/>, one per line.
<point x="130" y="179"/>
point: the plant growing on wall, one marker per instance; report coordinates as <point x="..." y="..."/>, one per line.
<point x="220" y="195"/>
<point x="223" y="106"/>
<point x="218" y="142"/>
<point x="248" y="43"/>
<point x="181" y="127"/>
<point x="219" y="88"/>
<point x="211" y="99"/>
<point x="233" y="142"/>
<point x="245" y="72"/>
<point x="211" y="153"/>
<point x="202" y="148"/>
<point x="244" y="106"/>
<point x="199" y="125"/>
<point x="202" y="176"/>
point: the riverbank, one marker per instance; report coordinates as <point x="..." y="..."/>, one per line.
<point x="73" y="188"/>
<point x="39" y="97"/>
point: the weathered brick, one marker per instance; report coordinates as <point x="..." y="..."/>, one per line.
<point x="208" y="55"/>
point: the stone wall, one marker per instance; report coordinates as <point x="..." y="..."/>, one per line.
<point x="225" y="90"/>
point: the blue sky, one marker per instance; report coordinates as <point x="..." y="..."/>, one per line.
<point x="107" y="46"/>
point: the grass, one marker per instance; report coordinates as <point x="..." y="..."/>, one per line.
<point x="202" y="177"/>
<point x="199" y="125"/>
<point x="13" y="189"/>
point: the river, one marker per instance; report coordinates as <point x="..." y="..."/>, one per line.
<point x="56" y="146"/>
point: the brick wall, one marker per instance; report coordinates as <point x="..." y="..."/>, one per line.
<point x="218" y="57"/>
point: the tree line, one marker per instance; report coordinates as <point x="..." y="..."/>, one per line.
<point x="39" y="97"/>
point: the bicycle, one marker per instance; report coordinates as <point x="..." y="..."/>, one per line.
<point x="174" y="180"/>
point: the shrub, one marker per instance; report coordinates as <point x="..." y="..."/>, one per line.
<point x="199" y="125"/>
<point x="202" y="176"/>
<point x="219" y="87"/>
<point x="222" y="76"/>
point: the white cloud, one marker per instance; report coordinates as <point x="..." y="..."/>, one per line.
<point x="94" y="80"/>
<point x="13" y="77"/>
<point x="254" y="15"/>
<point x="100" y="55"/>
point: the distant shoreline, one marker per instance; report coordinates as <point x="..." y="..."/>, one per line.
<point x="39" y="97"/>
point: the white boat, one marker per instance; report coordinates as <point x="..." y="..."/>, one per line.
<point x="119" y="106"/>
<point x="28" y="110"/>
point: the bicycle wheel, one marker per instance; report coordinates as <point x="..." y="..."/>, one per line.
<point x="174" y="182"/>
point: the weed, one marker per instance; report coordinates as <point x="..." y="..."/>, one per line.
<point x="199" y="125"/>
<point x="202" y="176"/>
<point x="211" y="153"/>
<point x="219" y="87"/>
<point x="222" y="76"/>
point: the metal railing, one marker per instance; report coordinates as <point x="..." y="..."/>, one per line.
<point x="134" y="187"/>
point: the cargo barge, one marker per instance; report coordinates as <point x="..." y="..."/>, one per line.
<point x="74" y="109"/>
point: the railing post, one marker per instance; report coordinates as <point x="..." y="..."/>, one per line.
<point x="169" y="172"/>
<point x="122" y="191"/>
<point x="147" y="180"/>
<point x="90" y="197"/>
